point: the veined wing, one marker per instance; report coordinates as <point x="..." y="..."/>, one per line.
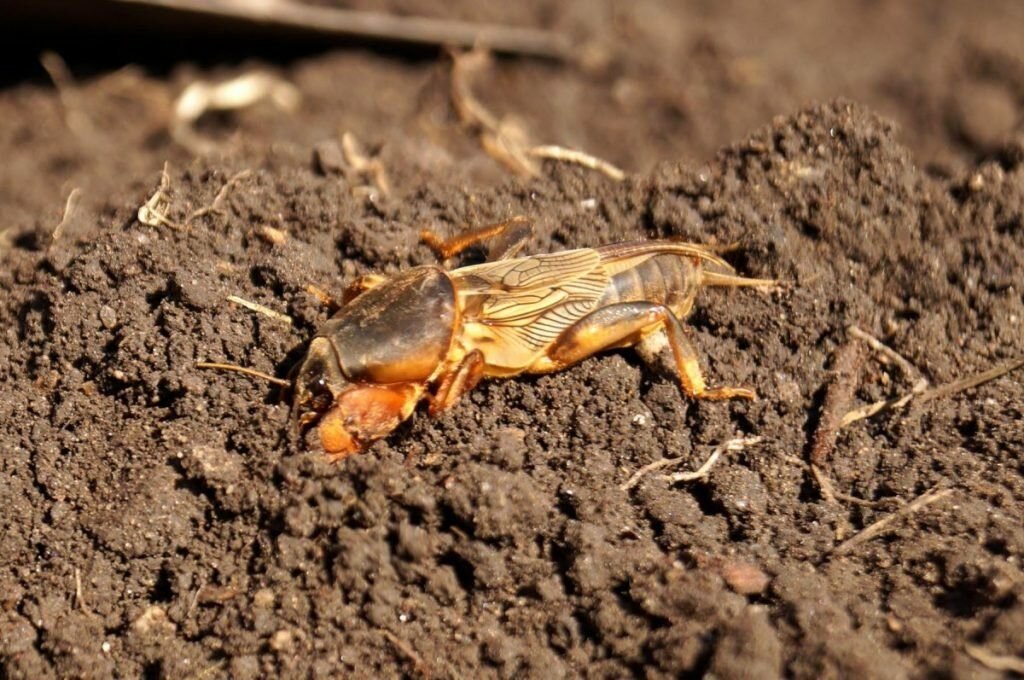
<point x="516" y="308"/>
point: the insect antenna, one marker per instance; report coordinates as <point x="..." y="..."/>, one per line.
<point x="251" y="372"/>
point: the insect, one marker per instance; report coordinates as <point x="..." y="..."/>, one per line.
<point x="431" y="334"/>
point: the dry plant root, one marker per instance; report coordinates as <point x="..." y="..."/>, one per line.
<point x="154" y="212"/>
<point x="730" y="446"/>
<point x="504" y="139"/>
<point x="368" y="167"/>
<point x="70" y="207"/>
<point x="201" y="97"/>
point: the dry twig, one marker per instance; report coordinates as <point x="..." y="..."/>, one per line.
<point x="70" y="206"/>
<point x="933" y="495"/>
<point x="326" y="20"/>
<point x="908" y="369"/>
<point x="67" y="92"/>
<point x="364" y="164"/>
<point x="1003" y="663"/>
<point x="218" y="201"/>
<point x="967" y="383"/>
<point x="503" y="139"/>
<point x="402" y="646"/>
<point x="154" y="211"/>
<point x="884" y="405"/>
<point x="240" y="92"/>
<point x="558" y="153"/>
<point x="79" y="598"/>
<point x="922" y="394"/>
<point x="874" y="343"/>
<point x="731" y="445"/>
<point x="260" y="309"/>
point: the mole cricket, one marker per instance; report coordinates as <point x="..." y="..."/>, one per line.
<point x="431" y="334"/>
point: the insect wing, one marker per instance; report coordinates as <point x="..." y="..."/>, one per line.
<point x="520" y="306"/>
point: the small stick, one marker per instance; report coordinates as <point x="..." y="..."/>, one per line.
<point x="1003" y="663"/>
<point x="731" y="446"/>
<point x="79" y="598"/>
<point x="971" y="381"/>
<point x="842" y="383"/>
<point x="874" y="343"/>
<point x="559" y="153"/>
<point x="410" y="653"/>
<point x="70" y="206"/>
<point x="922" y="394"/>
<point x="884" y="405"/>
<point x="218" y="200"/>
<point x="154" y="211"/>
<point x="933" y="495"/>
<point x="195" y="601"/>
<point x="379" y="26"/>
<point x="67" y="93"/>
<point x="502" y="140"/>
<point x="737" y="444"/>
<point x="646" y="469"/>
<point x="828" y="492"/>
<point x="245" y="371"/>
<point x="364" y="164"/>
<point x="260" y="309"/>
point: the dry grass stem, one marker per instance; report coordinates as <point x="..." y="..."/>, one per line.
<point x="884" y="405"/>
<point x="731" y="445"/>
<point x="967" y="383"/>
<point x="260" y="309"/>
<point x="564" y="155"/>
<point x="828" y="492"/>
<point x="503" y="139"/>
<point x="70" y="206"/>
<point x="364" y="164"/>
<point x="877" y="345"/>
<point x="323" y="20"/>
<point x="407" y="651"/>
<point x="154" y="211"/>
<point x="244" y="370"/>
<point x="67" y="92"/>
<point x="1002" y="663"/>
<point x="883" y="525"/>
<point x="922" y="394"/>
<point x="218" y="201"/>
<point x="79" y="597"/>
<point x="201" y="97"/>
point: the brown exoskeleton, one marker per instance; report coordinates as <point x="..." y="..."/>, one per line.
<point x="432" y="334"/>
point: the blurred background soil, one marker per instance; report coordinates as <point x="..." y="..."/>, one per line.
<point x="868" y="154"/>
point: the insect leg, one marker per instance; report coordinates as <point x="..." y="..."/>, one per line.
<point x="509" y="238"/>
<point x="625" y="324"/>
<point x="457" y="382"/>
<point x="352" y="291"/>
<point x="360" y="286"/>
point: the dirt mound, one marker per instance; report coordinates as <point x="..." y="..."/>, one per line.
<point x="156" y="524"/>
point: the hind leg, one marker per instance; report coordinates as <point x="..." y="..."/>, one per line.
<point x="624" y="325"/>
<point x="508" y="239"/>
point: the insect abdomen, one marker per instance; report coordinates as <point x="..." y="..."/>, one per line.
<point x="666" y="279"/>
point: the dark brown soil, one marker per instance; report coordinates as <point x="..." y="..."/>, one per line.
<point x="155" y="523"/>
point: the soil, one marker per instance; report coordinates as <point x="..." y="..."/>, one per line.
<point x="156" y="524"/>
